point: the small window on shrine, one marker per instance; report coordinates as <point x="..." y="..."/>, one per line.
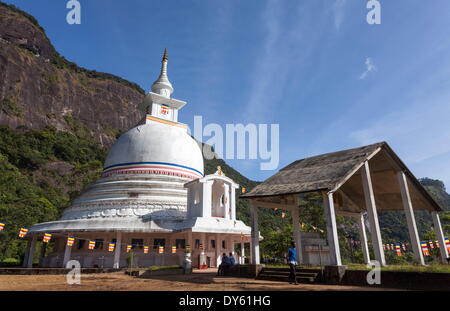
<point x="213" y="243"/>
<point x="180" y="243"/>
<point x="158" y="242"/>
<point x="81" y="243"/>
<point x="98" y="244"/>
<point x="137" y="243"/>
<point x="224" y="245"/>
<point x="222" y="200"/>
<point x="197" y="197"/>
<point x="197" y="244"/>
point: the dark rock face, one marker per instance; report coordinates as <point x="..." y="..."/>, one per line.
<point x="38" y="89"/>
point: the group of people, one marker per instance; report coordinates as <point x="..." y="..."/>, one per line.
<point x="229" y="261"/>
<point x="226" y="263"/>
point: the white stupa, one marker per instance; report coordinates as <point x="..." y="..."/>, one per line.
<point x="141" y="199"/>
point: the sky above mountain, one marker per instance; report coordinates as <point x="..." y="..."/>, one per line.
<point x="315" y="67"/>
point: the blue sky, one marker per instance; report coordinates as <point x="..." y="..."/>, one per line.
<point x="315" y="67"/>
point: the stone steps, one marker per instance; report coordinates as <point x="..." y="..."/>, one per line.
<point x="282" y="274"/>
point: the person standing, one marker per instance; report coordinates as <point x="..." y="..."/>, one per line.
<point x="292" y="261"/>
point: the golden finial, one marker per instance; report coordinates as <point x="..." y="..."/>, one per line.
<point x="165" y="56"/>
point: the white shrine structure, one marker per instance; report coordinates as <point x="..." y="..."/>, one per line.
<point x="152" y="200"/>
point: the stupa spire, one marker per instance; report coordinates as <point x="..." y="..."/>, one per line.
<point x="162" y="85"/>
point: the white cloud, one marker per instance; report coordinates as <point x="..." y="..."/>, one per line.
<point x="338" y="13"/>
<point x="370" y="67"/>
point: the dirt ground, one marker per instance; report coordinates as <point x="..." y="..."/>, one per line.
<point x="199" y="280"/>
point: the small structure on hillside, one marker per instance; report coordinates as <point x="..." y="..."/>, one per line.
<point x="353" y="183"/>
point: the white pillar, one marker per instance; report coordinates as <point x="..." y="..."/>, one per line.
<point x="242" y="253"/>
<point x="409" y="213"/>
<point x="363" y="238"/>
<point x="297" y="234"/>
<point x="255" y="235"/>
<point x="332" y="235"/>
<point x="67" y="253"/>
<point x="226" y="205"/>
<point x="440" y="236"/>
<point x="117" y="250"/>
<point x="233" y="202"/>
<point x="372" y="214"/>
<point x="31" y="251"/>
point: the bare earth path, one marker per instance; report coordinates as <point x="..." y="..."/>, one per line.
<point x="118" y="281"/>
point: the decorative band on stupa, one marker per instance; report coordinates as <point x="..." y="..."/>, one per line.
<point x="152" y="168"/>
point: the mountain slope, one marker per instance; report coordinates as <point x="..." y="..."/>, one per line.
<point x="40" y="88"/>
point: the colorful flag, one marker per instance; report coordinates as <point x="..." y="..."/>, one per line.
<point x="70" y="241"/>
<point x="431" y="244"/>
<point x="398" y="249"/>
<point x="404" y="247"/>
<point x="164" y="109"/>
<point x="2" y="225"/>
<point x="425" y="248"/>
<point x="129" y="246"/>
<point x="146" y="248"/>
<point x="23" y="232"/>
<point x="437" y="243"/>
<point x="91" y="244"/>
<point x="447" y="244"/>
<point x="161" y="249"/>
<point x="243" y="190"/>
<point x="47" y="237"/>
<point x="174" y="249"/>
<point x="392" y="247"/>
<point x="111" y="247"/>
<point x="384" y="247"/>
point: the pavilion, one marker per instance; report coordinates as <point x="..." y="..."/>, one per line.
<point x="353" y="183"/>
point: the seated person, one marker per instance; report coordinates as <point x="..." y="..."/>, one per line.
<point x="224" y="265"/>
<point x="232" y="260"/>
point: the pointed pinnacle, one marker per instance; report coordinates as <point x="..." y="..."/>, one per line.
<point x="165" y="56"/>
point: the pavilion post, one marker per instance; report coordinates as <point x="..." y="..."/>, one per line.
<point x="440" y="236"/>
<point x="332" y="235"/>
<point x="255" y="235"/>
<point x="409" y="213"/>
<point x="117" y="250"/>
<point x="363" y="238"/>
<point x="29" y="262"/>
<point x="297" y="234"/>
<point x="67" y="253"/>
<point x="372" y="214"/>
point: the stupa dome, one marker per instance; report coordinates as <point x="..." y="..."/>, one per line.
<point x="155" y="148"/>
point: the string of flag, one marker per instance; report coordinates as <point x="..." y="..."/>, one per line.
<point x="398" y="247"/>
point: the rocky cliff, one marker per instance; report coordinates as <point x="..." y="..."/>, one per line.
<point x="40" y="88"/>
